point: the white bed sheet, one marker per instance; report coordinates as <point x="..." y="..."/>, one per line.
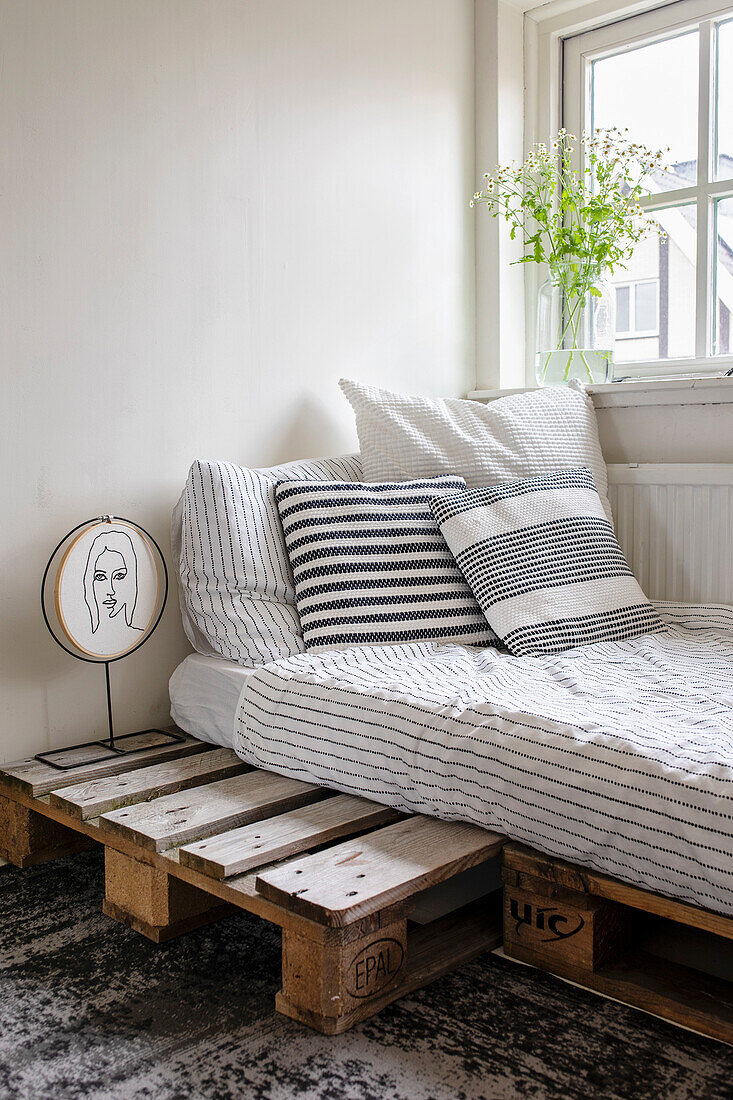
<point x="204" y="693"/>
<point x="618" y="756"/>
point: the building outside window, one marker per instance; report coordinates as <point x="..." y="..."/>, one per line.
<point x="637" y="312"/>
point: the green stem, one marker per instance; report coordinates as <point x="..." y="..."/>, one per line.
<point x="572" y="325"/>
<point x="581" y="352"/>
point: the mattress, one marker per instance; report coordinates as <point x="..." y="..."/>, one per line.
<point x="618" y="756"/>
<point x="204" y="693"/>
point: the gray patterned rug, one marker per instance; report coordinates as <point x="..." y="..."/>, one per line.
<point x="90" y="1009"/>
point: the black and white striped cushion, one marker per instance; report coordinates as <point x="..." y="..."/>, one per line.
<point x="371" y="567"/>
<point x="236" y="588"/>
<point x="544" y="563"/>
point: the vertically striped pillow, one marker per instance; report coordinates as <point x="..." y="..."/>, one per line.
<point x="544" y="563"/>
<point x="371" y="567"/>
<point x="236" y="588"/>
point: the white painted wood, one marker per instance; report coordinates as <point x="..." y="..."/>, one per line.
<point x="499" y="107"/>
<point x="644" y="392"/>
<point x="578" y="53"/>
<point x="671" y="474"/>
<point x="706" y="290"/>
<point x="677" y="391"/>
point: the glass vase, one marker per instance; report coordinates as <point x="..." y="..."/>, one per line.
<point x="576" y="326"/>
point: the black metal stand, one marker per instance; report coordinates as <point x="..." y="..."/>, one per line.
<point x="112" y="743"/>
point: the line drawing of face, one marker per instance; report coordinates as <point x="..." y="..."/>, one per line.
<point x="110" y="579"/>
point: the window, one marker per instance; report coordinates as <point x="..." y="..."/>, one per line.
<point x="667" y="76"/>
<point x="637" y="310"/>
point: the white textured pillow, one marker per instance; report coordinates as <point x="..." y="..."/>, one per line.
<point x="235" y="582"/>
<point x="524" y="435"/>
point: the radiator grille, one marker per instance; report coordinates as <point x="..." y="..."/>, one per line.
<point x="675" y="525"/>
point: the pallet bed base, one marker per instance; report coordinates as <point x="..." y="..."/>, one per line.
<point x="27" y="837"/>
<point x="364" y="970"/>
<point x="153" y="902"/>
<point x="603" y="934"/>
<point x="195" y="834"/>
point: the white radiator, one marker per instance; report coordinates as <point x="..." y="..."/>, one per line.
<point x="675" y="525"/>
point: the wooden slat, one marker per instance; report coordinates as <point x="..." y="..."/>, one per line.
<point x="240" y="890"/>
<point x="175" y="819"/>
<point x="352" y="880"/>
<point x="98" y="796"/>
<point x="583" y="880"/>
<point x="34" y="778"/>
<point x="289" y="834"/>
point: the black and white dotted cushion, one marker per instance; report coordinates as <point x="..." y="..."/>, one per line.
<point x="371" y="567"/>
<point x="543" y="561"/>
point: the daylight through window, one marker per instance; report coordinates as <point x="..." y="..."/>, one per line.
<point x="667" y="77"/>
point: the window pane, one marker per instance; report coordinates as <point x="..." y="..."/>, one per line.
<point x="724" y="277"/>
<point x="661" y="274"/>
<point x="652" y="91"/>
<point x="646" y="307"/>
<point x="725" y="101"/>
<point x="623" y="315"/>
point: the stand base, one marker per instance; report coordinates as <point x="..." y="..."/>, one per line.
<point x="76" y="756"/>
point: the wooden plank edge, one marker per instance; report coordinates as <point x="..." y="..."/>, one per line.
<point x="239" y="891"/>
<point x="72" y="848"/>
<point x="338" y="918"/>
<point x="60" y="800"/>
<point x="163" y="933"/>
<point x="57" y="779"/>
<point x="282" y="804"/>
<point x="382" y="815"/>
<point x="626" y="985"/>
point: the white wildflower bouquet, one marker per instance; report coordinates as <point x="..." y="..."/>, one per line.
<point x="590" y="217"/>
<point x="582" y="223"/>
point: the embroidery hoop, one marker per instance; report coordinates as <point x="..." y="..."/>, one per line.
<point x="53" y="615"/>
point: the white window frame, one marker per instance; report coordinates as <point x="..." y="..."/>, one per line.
<point x="634" y="333"/>
<point x="578" y="52"/>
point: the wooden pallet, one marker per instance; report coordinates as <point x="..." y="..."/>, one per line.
<point x="191" y="833"/>
<point x="638" y="947"/>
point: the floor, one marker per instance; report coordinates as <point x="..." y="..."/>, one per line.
<point x="90" y="1009"/>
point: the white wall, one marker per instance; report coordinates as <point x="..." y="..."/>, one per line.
<point x="211" y="209"/>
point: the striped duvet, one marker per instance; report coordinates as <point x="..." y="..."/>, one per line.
<point x="618" y="756"/>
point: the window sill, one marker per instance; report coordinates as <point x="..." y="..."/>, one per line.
<point x="668" y="391"/>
